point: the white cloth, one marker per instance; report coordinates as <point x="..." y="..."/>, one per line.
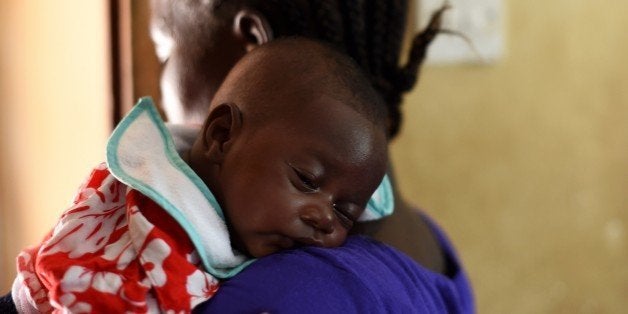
<point x="141" y="153"/>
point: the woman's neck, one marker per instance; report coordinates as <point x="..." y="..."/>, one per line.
<point x="407" y="231"/>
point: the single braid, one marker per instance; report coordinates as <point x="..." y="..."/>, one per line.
<point x="287" y="18"/>
<point x="420" y="43"/>
<point x="376" y="29"/>
<point x="396" y="17"/>
<point x="330" y="27"/>
<point x="297" y="21"/>
<point x="355" y="31"/>
<point x="395" y="29"/>
<point x="406" y="77"/>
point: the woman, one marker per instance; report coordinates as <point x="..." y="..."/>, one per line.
<point x="199" y="41"/>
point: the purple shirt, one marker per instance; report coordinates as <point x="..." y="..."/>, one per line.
<point x="362" y="276"/>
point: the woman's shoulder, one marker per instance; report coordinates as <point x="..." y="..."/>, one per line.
<point x="362" y="276"/>
<point x="413" y="233"/>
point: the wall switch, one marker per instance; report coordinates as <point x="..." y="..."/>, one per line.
<point x="481" y="21"/>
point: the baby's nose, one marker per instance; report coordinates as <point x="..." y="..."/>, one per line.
<point x="320" y="217"/>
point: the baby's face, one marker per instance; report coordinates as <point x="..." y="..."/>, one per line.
<point x="303" y="179"/>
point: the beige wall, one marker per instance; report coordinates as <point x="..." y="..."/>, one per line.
<point x="54" y="113"/>
<point x="526" y="162"/>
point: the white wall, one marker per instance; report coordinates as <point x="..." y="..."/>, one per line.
<point x="525" y="162"/>
<point x="54" y="113"/>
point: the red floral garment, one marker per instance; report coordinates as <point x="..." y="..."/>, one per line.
<point x="114" y="251"/>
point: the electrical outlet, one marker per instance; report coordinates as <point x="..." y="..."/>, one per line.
<point x="480" y="21"/>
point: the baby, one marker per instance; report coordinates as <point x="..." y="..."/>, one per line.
<point x="292" y="150"/>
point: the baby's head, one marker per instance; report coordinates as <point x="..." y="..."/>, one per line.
<point x="293" y="147"/>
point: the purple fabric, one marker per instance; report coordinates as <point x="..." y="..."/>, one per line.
<point x="362" y="276"/>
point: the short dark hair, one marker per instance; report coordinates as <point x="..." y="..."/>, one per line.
<point x="321" y="69"/>
<point x="343" y="77"/>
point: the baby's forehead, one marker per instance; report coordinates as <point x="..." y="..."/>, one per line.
<point x="335" y="133"/>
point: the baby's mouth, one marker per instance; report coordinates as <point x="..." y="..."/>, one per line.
<point x="303" y="241"/>
<point x="296" y="242"/>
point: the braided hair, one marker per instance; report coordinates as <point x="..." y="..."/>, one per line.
<point x="370" y="31"/>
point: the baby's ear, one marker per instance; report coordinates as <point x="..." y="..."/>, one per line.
<point x="220" y="130"/>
